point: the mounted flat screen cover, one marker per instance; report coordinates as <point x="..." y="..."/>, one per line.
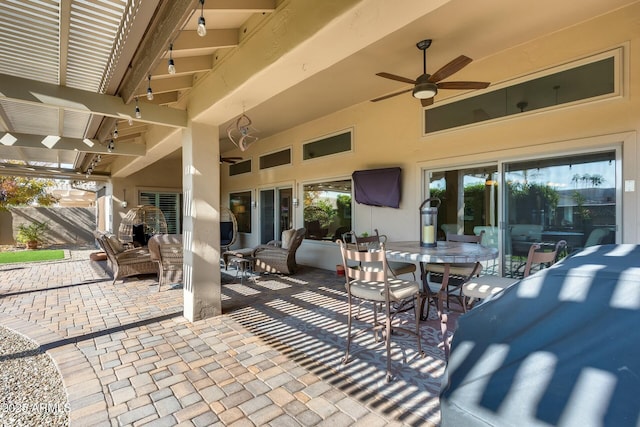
<point x="378" y="187"/>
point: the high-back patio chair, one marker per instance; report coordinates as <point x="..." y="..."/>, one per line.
<point x="484" y="286"/>
<point x="395" y="267"/>
<point x="458" y="274"/>
<point x="373" y="284"/>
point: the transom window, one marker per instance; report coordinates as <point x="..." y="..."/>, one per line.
<point x="592" y="78"/>
<point x="325" y="146"/>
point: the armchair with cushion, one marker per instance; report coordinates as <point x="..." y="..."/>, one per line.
<point x="125" y="262"/>
<point x="166" y="252"/>
<point x="279" y="256"/>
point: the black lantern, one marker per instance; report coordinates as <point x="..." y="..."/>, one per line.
<point x="429" y="222"/>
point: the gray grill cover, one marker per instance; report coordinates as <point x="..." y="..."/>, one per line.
<point x="561" y="347"/>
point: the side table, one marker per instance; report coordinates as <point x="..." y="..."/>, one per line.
<point x="244" y="266"/>
<point x="237" y="253"/>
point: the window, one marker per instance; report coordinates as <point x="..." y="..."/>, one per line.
<point x="170" y="203"/>
<point x="589" y="80"/>
<point x="278" y="158"/>
<point x="327" y="209"/>
<point x="328" y="145"/>
<point x="240" y="168"/>
<point x="240" y="204"/>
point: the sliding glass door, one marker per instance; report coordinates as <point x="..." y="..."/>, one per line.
<point x="469" y="204"/>
<point x="572" y="198"/>
<point x="469" y="201"/>
<point x="275" y="213"/>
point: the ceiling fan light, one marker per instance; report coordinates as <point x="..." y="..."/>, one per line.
<point x="424" y="89"/>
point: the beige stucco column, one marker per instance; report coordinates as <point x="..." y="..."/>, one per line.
<point x="201" y="227"/>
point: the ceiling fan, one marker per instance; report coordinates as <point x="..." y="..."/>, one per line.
<point x="426" y="85"/>
<point x="230" y="160"/>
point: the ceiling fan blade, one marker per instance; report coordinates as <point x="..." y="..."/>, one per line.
<point x="462" y="85"/>
<point x="392" y="95"/>
<point x="230" y="160"/>
<point x="426" y="102"/>
<point x="396" y="78"/>
<point x="452" y="67"/>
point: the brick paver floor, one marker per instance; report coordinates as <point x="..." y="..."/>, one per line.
<point x="128" y="357"/>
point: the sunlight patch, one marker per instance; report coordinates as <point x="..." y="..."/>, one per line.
<point x="627" y="292"/>
<point x="272" y="284"/>
<point x="242" y="289"/>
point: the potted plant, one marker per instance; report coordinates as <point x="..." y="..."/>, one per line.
<point x="32" y="234"/>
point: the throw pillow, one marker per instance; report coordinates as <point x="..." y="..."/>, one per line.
<point x="116" y="245"/>
<point x="287" y="237"/>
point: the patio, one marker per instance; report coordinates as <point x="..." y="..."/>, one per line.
<point x="128" y="357"/>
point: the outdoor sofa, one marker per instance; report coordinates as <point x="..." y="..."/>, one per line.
<point x="124" y="261"/>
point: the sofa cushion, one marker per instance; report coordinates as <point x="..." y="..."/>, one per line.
<point x="115" y="244"/>
<point x="287" y="237"/>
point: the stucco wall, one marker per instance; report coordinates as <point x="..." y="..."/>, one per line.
<point x="67" y="225"/>
<point x="388" y="133"/>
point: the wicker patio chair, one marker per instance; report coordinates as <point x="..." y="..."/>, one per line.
<point x="140" y="223"/>
<point x="228" y="229"/>
<point x="279" y="256"/>
<point x="167" y="252"/>
<point x="125" y="262"/>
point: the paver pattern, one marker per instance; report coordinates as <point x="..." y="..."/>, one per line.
<point x="127" y="356"/>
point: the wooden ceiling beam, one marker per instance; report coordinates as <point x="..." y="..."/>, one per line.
<point x="47" y="172"/>
<point x="184" y="65"/>
<point x="171" y="17"/>
<point x="25" y="140"/>
<point x="165" y="98"/>
<point x="190" y="40"/>
<point x="48" y="95"/>
<point x="254" y="6"/>
<point x="165" y="85"/>
<point x="65" y="25"/>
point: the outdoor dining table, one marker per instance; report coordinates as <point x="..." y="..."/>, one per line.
<point x="446" y="253"/>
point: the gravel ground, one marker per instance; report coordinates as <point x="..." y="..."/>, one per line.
<point x="31" y="390"/>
